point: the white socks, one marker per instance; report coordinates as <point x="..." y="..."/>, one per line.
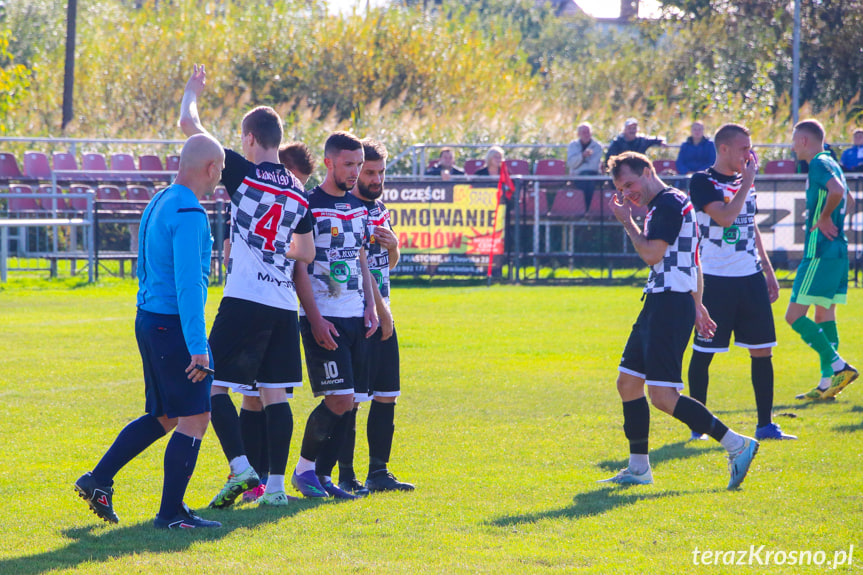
<point x="304" y="465"/>
<point x="732" y="442"/>
<point x="275" y="483"/>
<point x="239" y="464"/>
<point x="639" y="463"/>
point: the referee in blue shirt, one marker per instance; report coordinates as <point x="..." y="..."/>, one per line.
<point x="175" y="246"/>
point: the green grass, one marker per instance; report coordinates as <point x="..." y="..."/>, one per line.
<point x="509" y="417"/>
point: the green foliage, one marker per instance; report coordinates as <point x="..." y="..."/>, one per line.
<point x="14" y="79"/>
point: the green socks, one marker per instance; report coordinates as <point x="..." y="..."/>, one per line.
<point x="815" y="337"/>
<point x="832" y="335"/>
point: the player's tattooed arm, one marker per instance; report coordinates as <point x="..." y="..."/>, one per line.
<point x="389" y="240"/>
<point x="322" y="329"/>
<point x="384" y="314"/>
<point x="190" y="122"/>
<point x="370" y="317"/>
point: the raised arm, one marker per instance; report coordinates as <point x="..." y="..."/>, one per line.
<point x="725" y="214"/>
<point x="190" y="122"/>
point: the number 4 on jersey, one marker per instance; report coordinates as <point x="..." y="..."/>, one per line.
<point x="268" y="226"/>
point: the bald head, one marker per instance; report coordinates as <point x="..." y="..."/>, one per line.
<point x="201" y="163"/>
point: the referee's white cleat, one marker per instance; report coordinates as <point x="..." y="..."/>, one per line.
<point x="738" y="463"/>
<point x="627" y="477"/>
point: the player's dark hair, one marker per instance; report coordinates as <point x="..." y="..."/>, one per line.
<point x="341" y="142"/>
<point x="633" y="160"/>
<point x="374" y="150"/>
<point x="265" y="125"/>
<point x="297" y="157"/>
<point x="728" y="132"/>
<point x="812" y="127"/>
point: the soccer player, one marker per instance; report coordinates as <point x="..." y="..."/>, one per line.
<point x="338" y="313"/>
<point x="173" y="269"/>
<point x="299" y="160"/>
<point x="822" y="276"/>
<point x="384" y="384"/>
<point x="739" y="281"/>
<point x="672" y="304"/>
<point x="255" y="337"/>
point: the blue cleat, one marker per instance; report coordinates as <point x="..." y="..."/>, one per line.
<point x="334" y="490"/>
<point x="771" y="431"/>
<point x="738" y="463"/>
<point x="184" y="519"/>
<point x="307" y="483"/>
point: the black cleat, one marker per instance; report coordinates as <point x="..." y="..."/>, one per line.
<point x="185" y="519"/>
<point x="354" y="486"/>
<point x="97" y="496"/>
<point x="383" y="480"/>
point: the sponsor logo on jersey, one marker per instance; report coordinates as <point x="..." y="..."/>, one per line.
<point x="343" y="206"/>
<point x="334" y="231"/>
<point x="731" y="235"/>
<point x="340" y="272"/>
<point x="262" y="277"/>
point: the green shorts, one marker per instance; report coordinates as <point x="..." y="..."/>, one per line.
<point x="822" y="282"/>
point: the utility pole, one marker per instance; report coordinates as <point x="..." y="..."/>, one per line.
<point x="69" y="71"/>
<point x="795" y="77"/>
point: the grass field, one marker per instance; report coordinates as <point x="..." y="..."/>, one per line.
<point x="508" y="418"/>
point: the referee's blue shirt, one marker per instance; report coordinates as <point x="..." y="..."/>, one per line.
<point x="174" y="247"/>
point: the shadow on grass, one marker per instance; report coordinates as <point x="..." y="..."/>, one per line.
<point x="98" y="543"/>
<point x="678" y="450"/>
<point x="592" y="503"/>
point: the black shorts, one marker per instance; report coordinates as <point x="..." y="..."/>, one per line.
<point x="384" y="368"/>
<point x="169" y="391"/>
<point x="255" y="346"/>
<point x="344" y="370"/>
<point x="740" y="305"/>
<point x="654" y="351"/>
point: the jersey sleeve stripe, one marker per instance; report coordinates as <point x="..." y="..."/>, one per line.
<point x="276" y="191"/>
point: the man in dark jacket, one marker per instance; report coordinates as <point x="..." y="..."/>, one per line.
<point x="630" y="141"/>
<point x="697" y="153"/>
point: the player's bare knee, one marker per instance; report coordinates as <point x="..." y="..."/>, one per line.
<point x="218" y="390"/>
<point x="252" y="403"/>
<point x="339" y="404"/>
<point x="168" y="423"/>
<point x="663" y="398"/>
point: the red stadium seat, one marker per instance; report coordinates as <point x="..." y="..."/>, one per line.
<point x="220" y="193"/>
<point x="599" y="204"/>
<point x="471" y="166"/>
<point x="78" y="204"/>
<point x="65" y="161"/>
<point x="780" y="167"/>
<point x="172" y="163"/>
<point x="150" y="163"/>
<point x="122" y="163"/>
<point x="23" y="206"/>
<point x="9" y="166"/>
<point x="93" y="162"/>
<point x="568" y="203"/>
<point x="527" y="203"/>
<point x="105" y="193"/>
<point x="518" y="167"/>
<point x="141" y="195"/>
<point x="665" y="167"/>
<point x="36" y="165"/>
<point x="551" y="167"/>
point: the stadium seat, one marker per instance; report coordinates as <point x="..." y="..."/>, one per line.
<point x="518" y="167"/>
<point x="36" y="165"/>
<point x="9" y="167"/>
<point x="527" y="203"/>
<point x="23" y="206"/>
<point x="599" y="204"/>
<point x="220" y="193"/>
<point x="568" y="203"/>
<point x="172" y="163"/>
<point x="665" y="167"/>
<point x="78" y="204"/>
<point x="150" y="163"/>
<point x="64" y="161"/>
<point x="472" y="166"/>
<point x="432" y="164"/>
<point x="550" y="167"/>
<point x="780" y="167"/>
<point x="123" y="164"/>
<point x="93" y="162"/>
<point x="106" y="193"/>
<point x="141" y="195"/>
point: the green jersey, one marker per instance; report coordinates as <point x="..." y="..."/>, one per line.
<point x="822" y="169"/>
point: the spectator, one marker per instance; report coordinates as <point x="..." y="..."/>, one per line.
<point x="583" y="157"/>
<point x="852" y="158"/>
<point x="493" y="160"/>
<point x="445" y="166"/>
<point x="630" y="141"/>
<point x="697" y="153"/>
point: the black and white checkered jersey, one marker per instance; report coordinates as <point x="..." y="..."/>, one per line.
<point x="341" y="231"/>
<point x="731" y="251"/>
<point x="268" y="205"/>
<point x="378" y="256"/>
<point x="671" y="218"/>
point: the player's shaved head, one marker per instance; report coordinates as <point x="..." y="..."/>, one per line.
<point x="198" y="151"/>
<point x="728" y="132"/>
<point x="813" y="128"/>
